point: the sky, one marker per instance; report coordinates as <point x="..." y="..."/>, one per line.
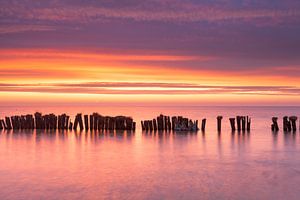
<point x="191" y="52"/>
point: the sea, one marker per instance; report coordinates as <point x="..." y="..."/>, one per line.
<point x="258" y="164"/>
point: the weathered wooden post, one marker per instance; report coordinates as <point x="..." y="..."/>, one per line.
<point x="150" y="125"/>
<point x="8" y="123"/>
<point x="129" y="123"/>
<point x="165" y="123"/>
<point x="75" y="123"/>
<point x="154" y="125"/>
<point x="66" y="124"/>
<point x="238" y="121"/>
<point x="1" y="125"/>
<point x="71" y="125"/>
<point x="248" y="123"/>
<point x="80" y="122"/>
<point x="174" y="122"/>
<point x="169" y="124"/>
<point x="243" y="123"/>
<point x="293" y="120"/>
<point x="274" y="126"/>
<point x="286" y="124"/>
<point x="91" y="122"/>
<point x="232" y="124"/>
<point x="203" y="125"/>
<point x="219" y="120"/>
<point x="86" y="122"/>
<point x="101" y="123"/>
<point x="96" y="118"/>
<point x="160" y="122"/>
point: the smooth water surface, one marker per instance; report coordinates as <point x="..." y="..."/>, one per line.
<point x="124" y="165"/>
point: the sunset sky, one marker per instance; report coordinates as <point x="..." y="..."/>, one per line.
<point x="196" y="52"/>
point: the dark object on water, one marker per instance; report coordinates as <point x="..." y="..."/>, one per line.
<point x="287" y="127"/>
<point x="167" y="123"/>
<point x="203" y="124"/>
<point x="219" y="123"/>
<point x="232" y="124"/>
<point x="274" y="126"/>
<point x="63" y="122"/>
<point x="293" y="120"/>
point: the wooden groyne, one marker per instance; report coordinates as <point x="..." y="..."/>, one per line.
<point x="51" y="121"/>
<point x="289" y="124"/>
<point x="167" y="123"/>
<point x="243" y="123"/>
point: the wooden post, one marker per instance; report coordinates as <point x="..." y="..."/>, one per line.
<point x="86" y="122"/>
<point x="71" y="125"/>
<point x="232" y="124"/>
<point x="91" y="122"/>
<point x="286" y="124"/>
<point x="96" y="118"/>
<point x="243" y="123"/>
<point x="8" y="123"/>
<point x="203" y="125"/>
<point x="1" y="125"/>
<point x="165" y="123"/>
<point x="129" y="123"/>
<point x="150" y="125"/>
<point x="274" y="126"/>
<point x="80" y="122"/>
<point x="219" y="120"/>
<point x="101" y="123"/>
<point x="160" y="122"/>
<point x="174" y="122"/>
<point x="293" y="120"/>
<point x="169" y="124"/>
<point x="238" y="121"/>
<point x="66" y="124"/>
<point x="248" y="123"/>
<point x="154" y="125"/>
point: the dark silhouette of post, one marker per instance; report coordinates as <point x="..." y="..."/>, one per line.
<point x="219" y="121"/>
<point x="248" y="123"/>
<point x="286" y="124"/>
<point x="238" y="121"/>
<point x="86" y="122"/>
<point x="274" y="126"/>
<point x="203" y="124"/>
<point x="232" y="124"/>
<point x="293" y="120"/>
<point x="154" y="125"/>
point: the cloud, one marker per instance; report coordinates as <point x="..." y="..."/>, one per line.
<point x="173" y="11"/>
<point x="23" y="28"/>
<point x="153" y="88"/>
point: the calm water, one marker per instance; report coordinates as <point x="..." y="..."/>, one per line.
<point x="74" y="165"/>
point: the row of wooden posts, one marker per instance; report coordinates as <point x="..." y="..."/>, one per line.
<point x="289" y="124"/>
<point x="94" y="121"/>
<point x="167" y="123"/>
<point x="185" y="124"/>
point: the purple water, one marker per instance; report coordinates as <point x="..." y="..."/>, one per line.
<point x="74" y="165"/>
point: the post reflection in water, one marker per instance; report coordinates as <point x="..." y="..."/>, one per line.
<point x="150" y="165"/>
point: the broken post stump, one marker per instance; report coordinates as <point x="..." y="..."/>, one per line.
<point x="232" y="124"/>
<point x="203" y="124"/>
<point x="219" y="122"/>
<point x="86" y="122"/>
<point x="293" y="120"/>
<point x="248" y="123"/>
<point x="274" y="126"/>
<point x="286" y="124"/>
